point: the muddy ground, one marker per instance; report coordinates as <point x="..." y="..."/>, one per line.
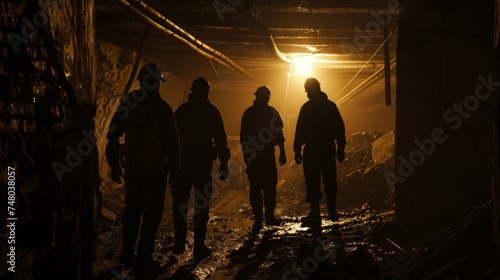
<point x="281" y="252"/>
<point x="365" y="244"/>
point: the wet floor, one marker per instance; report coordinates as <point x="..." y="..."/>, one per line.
<point x="342" y="250"/>
<point x="288" y="251"/>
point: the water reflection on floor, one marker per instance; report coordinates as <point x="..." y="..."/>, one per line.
<point x="288" y="251"/>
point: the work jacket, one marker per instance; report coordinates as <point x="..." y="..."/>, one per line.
<point x="261" y="130"/>
<point x="201" y="130"/>
<point x="319" y="123"/>
<point x="151" y="139"/>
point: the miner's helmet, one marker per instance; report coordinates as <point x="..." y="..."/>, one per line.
<point x="200" y="85"/>
<point x="311" y="85"/>
<point x="263" y="91"/>
<point x="149" y="71"/>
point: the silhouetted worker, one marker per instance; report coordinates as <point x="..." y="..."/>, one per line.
<point x="261" y="130"/>
<point x="203" y="139"/>
<point x="319" y="126"/>
<point x="151" y="150"/>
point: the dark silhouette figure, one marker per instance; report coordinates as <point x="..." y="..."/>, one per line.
<point x="261" y="130"/>
<point x="203" y="139"/>
<point x="151" y="150"/>
<point x="319" y="126"/>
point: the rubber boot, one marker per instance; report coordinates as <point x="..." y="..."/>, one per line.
<point x="257" y="224"/>
<point x="312" y="219"/>
<point x="271" y="219"/>
<point x="332" y="209"/>
<point x="200" y="251"/>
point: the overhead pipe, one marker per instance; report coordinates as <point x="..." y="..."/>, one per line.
<point x="268" y="36"/>
<point x="387" y="63"/>
<point x="173" y="34"/>
<point x="183" y="36"/>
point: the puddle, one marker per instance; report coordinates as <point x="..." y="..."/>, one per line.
<point x="235" y="224"/>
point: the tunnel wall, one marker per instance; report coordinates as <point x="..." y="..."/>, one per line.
<point x="46" y="131"/>
<point x="496" y="136"/>
<point x="444" y="111"/>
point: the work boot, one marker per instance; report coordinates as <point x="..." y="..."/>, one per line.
<point x="333" y="216"/>
<point x="257" y="213"/>
<point x="312" y="219"/>
<point x="272" y="221"/>
<point x="332" y="211"/>
<point x="148" y="266"/>
<point x="128" y="260"/>
<point x="200" y="252"/>
<point x="257" y="225"/>
<point x="178" y="248"/>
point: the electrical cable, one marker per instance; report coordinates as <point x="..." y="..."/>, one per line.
<point x="370" y="59"/>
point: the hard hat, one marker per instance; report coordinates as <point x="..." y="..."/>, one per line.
<point x="200" y="85"/>
<point x="263" y="91"/>
<point x="150" y="70"/>
<point x="311" y="84"/>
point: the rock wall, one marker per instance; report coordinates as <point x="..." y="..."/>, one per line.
<point x="496" y="138"/>
<point x="46" y="131"/>
<point x="444" y="111"/>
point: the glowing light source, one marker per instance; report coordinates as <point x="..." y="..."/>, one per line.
<point x="303" y="67"/>
<point x="313" y="49"/>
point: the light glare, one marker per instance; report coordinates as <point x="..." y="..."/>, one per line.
<point x="303" y="67"/>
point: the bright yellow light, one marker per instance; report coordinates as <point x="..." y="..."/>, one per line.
<point x="303" y="67"/>
<point x="311" y="48"/>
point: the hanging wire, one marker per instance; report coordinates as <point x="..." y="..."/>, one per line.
<point x="283" y="111"/>
<point x="288" y="75"/>
<point x="354" y="77"/>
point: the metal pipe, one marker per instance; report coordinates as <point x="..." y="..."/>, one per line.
<point x="183" y="36"/>
<point x="171" y="33"/>
<point x="268" y="36"/>
<point x="387" y="64"/>
<point x="276" y="51"/>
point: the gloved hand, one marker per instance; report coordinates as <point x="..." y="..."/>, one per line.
<point x="282" y="158"/>
<point x="340" y="155"/>
<point x="223" y="171"/>
<point x="116" y="174"/>
<point x="298" y="157"/>
<point x="173" y="178"/>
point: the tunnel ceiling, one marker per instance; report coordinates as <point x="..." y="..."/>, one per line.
<point x="336" y="29"/>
